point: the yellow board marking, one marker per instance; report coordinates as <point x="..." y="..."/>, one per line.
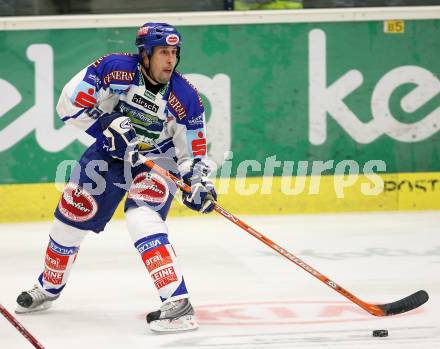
<point x="262" y="195"/>
<point x="396" y="26"/>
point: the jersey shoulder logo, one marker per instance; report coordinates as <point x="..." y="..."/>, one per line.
<point x="176" y="106"/>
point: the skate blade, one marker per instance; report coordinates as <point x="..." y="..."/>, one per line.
<point x="22" y="310"/>
<point x="182" y="324"/>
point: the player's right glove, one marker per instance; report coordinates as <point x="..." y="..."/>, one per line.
<point x="118" y="137"/>
<point x="203" y="195"/>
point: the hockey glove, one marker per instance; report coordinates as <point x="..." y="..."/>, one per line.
<point x="203" y="195"/>
<point x="118" y="137"/>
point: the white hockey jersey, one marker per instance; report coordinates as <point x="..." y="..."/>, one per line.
<point x="169" y="122"/>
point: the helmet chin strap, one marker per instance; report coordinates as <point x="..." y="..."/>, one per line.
<point x="148" y="74"/>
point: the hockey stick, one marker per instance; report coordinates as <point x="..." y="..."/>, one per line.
<point x="403" y="305"/>
<point x="20" y="327"/>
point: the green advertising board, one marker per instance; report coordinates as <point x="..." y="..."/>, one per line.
<point x="297" y="91"/>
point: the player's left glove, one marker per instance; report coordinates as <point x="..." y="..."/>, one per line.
<point x="203" y="195"/>
<point x="119" y="138"/>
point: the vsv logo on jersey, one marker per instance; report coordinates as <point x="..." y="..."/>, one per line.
<point x="145" y="103"/>
<point x="125" y="124"/>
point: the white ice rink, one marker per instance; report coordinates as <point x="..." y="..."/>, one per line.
<point x="245" y="295"/>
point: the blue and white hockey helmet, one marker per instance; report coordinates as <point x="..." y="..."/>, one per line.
<point x="157" y="34"/>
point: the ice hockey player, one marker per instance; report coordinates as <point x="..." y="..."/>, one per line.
<point x="131" y="104"/>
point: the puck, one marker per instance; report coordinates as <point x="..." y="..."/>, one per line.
<point x="380" y="333"/>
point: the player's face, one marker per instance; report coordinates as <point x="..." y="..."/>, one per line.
<point x="162" y="63"/>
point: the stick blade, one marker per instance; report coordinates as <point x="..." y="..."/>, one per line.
<point x="405" y="304"/>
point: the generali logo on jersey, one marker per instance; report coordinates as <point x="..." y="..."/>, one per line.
<point x="176" y="106"/>
<point x="118" y="75"/>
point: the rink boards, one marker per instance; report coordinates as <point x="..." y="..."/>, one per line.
<point x="306" y="87"/>
<point x="255" y="195"/>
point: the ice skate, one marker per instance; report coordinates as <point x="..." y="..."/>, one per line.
<point x="33" y="300"/>
<point x="177" y="316"/>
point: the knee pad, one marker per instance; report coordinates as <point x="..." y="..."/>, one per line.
<point x="66" y="235"/>
<point x="143" y="221"/>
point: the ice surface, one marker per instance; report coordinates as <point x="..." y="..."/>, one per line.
<point x="245" y="294"/>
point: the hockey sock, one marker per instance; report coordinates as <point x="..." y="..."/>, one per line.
<point x="57" y="265"/>
<point x="161" y="262"/>
<point x="64" y="242"/>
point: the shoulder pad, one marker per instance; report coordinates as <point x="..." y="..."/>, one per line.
<point x="116" y="70"/>
<point x="112" y="57"/>
<point x="184" y="101"/>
